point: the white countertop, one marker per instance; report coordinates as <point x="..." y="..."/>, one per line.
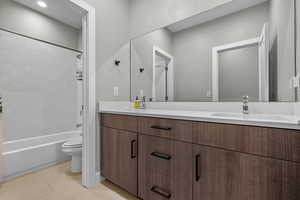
<point x="276" y="121"/>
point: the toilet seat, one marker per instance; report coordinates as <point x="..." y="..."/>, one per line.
<point x="71" y="151"/>
<point x="73" y="143"/>
<point x="71" y="147"/>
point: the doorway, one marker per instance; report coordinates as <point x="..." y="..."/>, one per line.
<point x="39" y="73"/>
<point x="163" y="75"/>
<point x="261" y="44"/>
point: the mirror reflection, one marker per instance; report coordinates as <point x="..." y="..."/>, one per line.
<point x="243" y="48"/>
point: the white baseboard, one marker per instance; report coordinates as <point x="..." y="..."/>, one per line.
<point x="99" y="178"/>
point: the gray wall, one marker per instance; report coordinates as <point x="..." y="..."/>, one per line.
<point x="112" y="37"/>
<point x="282" y="47"/>
<point x="17" y="18"/>
<point x="141" y="56"/>
<point x="239" y="76"/>
<point x="193" y="74"/>
<point x="39" y="94"/>
<point x="147" y="15"/>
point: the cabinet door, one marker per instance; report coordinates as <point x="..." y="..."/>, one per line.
<point x="165" y="169"/>
<point x="119" y="158"/>
<point x="227" y="175"/>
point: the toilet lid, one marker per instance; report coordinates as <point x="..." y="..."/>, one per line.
<point x="74" y="142"/>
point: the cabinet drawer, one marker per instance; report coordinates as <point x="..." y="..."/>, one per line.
<point x="271" y="142"/>
<point x="164" y="169"/>
<point x="167" y="128"/>
<point x="124" y="122"/>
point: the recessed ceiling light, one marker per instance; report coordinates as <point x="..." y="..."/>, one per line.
<point x="42" y="4"/>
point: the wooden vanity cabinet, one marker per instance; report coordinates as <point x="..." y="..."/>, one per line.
<point x="119" y="157"/>
<point x="185" y="160"/>
<point x="229" y="175"/>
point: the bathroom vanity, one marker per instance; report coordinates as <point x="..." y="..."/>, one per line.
<point x="211" y="61"/>
<point x="185" y="157"/>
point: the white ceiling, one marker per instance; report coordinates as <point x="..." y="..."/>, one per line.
<point x="66" y="12"/>
<point x="61" y="10"/>
<point x="214" y="13"/>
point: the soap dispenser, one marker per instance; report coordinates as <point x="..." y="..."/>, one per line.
<point x="137" y="103"/>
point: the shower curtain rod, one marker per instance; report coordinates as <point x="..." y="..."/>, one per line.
<point x="50" y="43"/>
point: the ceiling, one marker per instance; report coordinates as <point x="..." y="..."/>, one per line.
<point x="61" y="10"/>
<point x="66" y="12"/>
<point x="214" y="13"/>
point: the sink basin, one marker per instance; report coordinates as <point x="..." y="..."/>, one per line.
<point x="256" y="117"/>
<point x="272" y="117"/>
<point x="229" y="115"/>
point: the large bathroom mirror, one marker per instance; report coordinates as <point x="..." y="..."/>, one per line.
<point x="242" y="48"/>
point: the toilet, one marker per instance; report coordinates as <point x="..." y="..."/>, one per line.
<point x="73" y="147"/>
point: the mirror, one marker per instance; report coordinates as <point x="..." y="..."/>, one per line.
<point x="236" y="49"/>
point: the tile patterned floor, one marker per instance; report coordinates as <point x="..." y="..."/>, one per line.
<point x="57" y="183"/>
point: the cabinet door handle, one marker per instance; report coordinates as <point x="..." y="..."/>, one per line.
<point x="161" y="155"/>
<point x="160" y="192"/>
<point x="133" y="149"/>
<point x="161" y="128"/>
<point x="198" y="167"/>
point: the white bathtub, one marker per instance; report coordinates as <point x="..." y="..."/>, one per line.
<point x="27" y="155"/>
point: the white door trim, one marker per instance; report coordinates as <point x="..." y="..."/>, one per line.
<point x="263" y="51"/>
<point x="215" y="64"/>
<point x="156" y="49"/>
<point x="89" y="93"/>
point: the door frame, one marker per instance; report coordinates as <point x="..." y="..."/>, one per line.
<point x="263" y="69"/>
<point x="89" y="93"/>
<point x="170" y="74"/>
<point x="263" y="51"/>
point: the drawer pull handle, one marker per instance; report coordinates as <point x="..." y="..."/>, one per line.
<point x="133" y="149"/>
<point x="161" y="155"/>
<point x="161" y="128"/>
<point x="160" y="192"/>
<point x="198" y="167"/>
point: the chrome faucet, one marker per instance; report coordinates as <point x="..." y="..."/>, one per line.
<point x="143" y="102"/>
<point x="245" y="104"/>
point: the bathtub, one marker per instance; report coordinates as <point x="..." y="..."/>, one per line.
<point x="23" y="156"/>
